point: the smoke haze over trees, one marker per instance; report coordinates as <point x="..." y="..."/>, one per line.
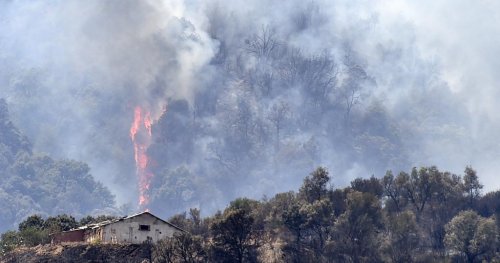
<point x="257" y="93"/>
<point x="35" y="183"/>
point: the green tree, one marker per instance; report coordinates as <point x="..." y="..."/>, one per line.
<point x="233" y="237"/>
<point x="318" y="223"/>
<point x="8" y="241"/>
<point x="471" y="236"/>
<point x="403" y="237"/>
<point x="34" y="221"/>
<point x="393" y="189"/>
<point x="315" y="186"/>
<point x="472" y="186"/>
<point x="59" y="223"/>
<point x="355" y="231"/>
<point x="92" y="220"/>
<point x="418" y="187"/>
<point x="447" y="200"/>
<point x="372" y="186"/>
<point x="32" y="236"/>
<point x="294" y="220"/>
<point x="489" y="205"/>
<point x="32" y="231"/>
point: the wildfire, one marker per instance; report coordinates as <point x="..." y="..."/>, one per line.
<point x="140" y="133"/>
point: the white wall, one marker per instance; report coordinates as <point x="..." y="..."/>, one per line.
<point x="127" y="230"/>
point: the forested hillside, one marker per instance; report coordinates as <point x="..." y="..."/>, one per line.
<point x="243" y="97"/>
<point x="119" y="106"/>
<point x="32" y="182"/>
<point x="424" y="215"/>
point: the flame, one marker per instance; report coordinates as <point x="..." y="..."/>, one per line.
<point x="140" y="133"/>
<point x="147" y="122"/>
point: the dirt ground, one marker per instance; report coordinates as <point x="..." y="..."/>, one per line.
<point x="80" y="252"/>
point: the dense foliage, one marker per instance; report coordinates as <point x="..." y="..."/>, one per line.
<point x="422" y="216"/>
<point x="33" y="183"/>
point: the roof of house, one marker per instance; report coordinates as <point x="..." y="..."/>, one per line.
<point x="108" y="222"/>
<point x="139" y="214"/>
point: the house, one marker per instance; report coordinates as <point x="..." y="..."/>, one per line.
<point x="135" y="229"/>
<point x="74" y="235"/>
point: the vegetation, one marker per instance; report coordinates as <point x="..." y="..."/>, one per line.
<point x="417" y="216"/>
<point x="254" y="100"/>
<point x="264" y="105"/>
<point x="421" y="216"/>
<point x="37" y="184"/>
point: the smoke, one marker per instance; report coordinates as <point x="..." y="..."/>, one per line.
<point x="423" y="75"/>
<point x="460" y="38"/>
<point x="73" y="72"/>
<point x="458" y="41"/>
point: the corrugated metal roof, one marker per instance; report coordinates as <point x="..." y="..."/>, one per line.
<point x="108" y="222"/>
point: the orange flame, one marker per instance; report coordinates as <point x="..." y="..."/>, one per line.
<point x="140" y="133"/>
<point x="147" y="122"/>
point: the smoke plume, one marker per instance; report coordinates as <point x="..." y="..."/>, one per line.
<point x="258" y="92"/>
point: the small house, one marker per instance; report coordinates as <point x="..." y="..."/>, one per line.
<point x="135" y="229"/>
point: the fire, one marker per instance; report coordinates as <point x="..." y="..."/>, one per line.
<point x="147" y="122"/>
<point x="140" y="133"/>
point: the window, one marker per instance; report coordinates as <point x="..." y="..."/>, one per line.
<point x="144" y="227"/>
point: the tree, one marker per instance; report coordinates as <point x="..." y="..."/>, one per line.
<point x="316" y="75"/>
<point x="32" y="231"/>
<point x="447" y="200"/>
<point x="264" y="44"/>
<point x="489" y="205"/>
<point x="8" y="241"/>
<point x="403" y="237"/>
<point x="59" y="223"/>
<point x="393" y="189"/>
<point x="418" y="187"/>
<point x="294" y="220"/>
<point x="92" y="220"/>
<point x="233" y="237"/>
<point x="182" y="247"/>
<point x="472" y="186"/>
<point x="471" y="236"/>
<point x="350" y="90"/>
<point x="278" y="115"/>
<point x="164" y="251"/>
<point x="190" y="248"/>
<point x="315" y="186"/>
<point x="198" y="226"/>
<point x="318" y="225"/>
<point x="31" y="236"/>
<point x="355" y="231"/>
<point x="372" y="186"/>
<point x="34" y="221"/>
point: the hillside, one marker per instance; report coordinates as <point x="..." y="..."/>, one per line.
<point x="241" y="100"/>
<point x="34" y="183"/>
<point x="425" y="215"/>
<point x="79" y="253"/>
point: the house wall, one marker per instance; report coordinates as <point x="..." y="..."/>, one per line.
<point x="127" y="230"/>
<point x="93" y="235"/>
<point x="69" y="236"/>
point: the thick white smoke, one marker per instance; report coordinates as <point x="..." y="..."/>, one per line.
<point x="72" y="71"/>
